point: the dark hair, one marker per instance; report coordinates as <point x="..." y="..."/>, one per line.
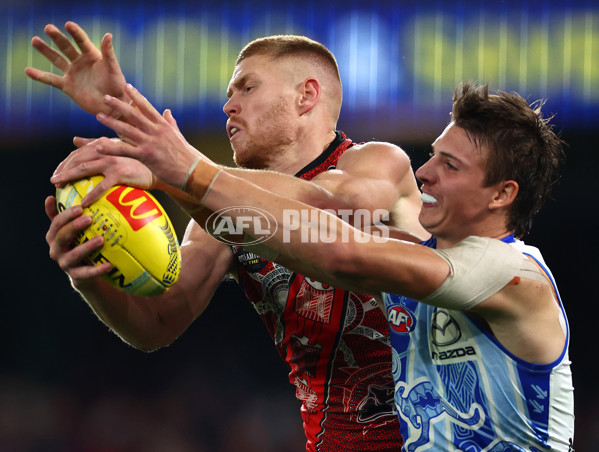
<point x="284" y="45"/>
<point x="521" y="143"/>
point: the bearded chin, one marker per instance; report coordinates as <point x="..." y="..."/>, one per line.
<point x="258" y="157"/>
<point x="250" y="161"/>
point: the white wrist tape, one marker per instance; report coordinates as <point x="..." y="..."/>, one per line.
<point x="183" y="186"/>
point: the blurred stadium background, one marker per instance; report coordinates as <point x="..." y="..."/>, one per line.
<point x="67" y="384"/>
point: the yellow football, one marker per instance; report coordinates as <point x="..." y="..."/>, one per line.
<point x="139" y="239"/>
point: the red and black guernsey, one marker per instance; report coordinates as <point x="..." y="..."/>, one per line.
<point x="336" y="344"/>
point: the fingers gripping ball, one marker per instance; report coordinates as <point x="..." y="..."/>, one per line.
<point x="139" y="239"/>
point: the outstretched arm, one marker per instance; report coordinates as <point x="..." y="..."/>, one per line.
<point x="88" y="73"/>
<point x="342" y="256"/>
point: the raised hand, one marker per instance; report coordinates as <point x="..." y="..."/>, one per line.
<point x="149" y="137"/>
<point x="89" y="73"/>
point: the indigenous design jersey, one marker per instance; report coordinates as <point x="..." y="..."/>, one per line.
<point x="336" y="344"/>
<point x="458" y="388"/>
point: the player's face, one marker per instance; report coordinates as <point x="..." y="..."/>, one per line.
<point x="260" y="110"/>
<point x="455" y="203"/>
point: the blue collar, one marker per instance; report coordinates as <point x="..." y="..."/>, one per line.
<point x="509" y="239"/>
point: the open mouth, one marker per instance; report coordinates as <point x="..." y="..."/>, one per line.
<point x="232" y="129"/>
<point x="428" y="199"/>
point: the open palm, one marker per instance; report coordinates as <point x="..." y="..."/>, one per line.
<point x="89" y="73"/>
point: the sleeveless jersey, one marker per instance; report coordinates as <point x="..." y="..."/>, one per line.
<point x="458" y="389"/>
<point x="336" y="344"/>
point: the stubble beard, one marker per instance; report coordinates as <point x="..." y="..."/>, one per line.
<point x="266" y="145"/>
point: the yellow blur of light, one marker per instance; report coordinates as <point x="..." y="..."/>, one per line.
<point x="540" y="53"/>
<point x="173" y="61"/>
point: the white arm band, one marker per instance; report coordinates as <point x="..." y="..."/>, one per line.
<point x="479" y="268"/>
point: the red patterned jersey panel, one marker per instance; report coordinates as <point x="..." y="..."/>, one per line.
<point x="336" y="344"/>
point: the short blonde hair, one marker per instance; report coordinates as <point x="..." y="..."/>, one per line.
<point x="291" y="45"/>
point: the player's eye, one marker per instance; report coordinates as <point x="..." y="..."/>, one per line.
<point x="450" y="166"/>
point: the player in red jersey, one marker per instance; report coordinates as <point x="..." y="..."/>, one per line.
<point x="284" y="102"/>
<point x="334" y="342"/>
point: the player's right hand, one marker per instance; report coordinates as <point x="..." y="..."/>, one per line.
<point x="85" y="162"/>
<point x="64" y="227"/>
<point x="88" y="75"/>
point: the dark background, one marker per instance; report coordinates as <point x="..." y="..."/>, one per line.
<point x="68" y="384"/>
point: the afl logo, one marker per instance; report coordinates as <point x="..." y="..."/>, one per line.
<point x="400" y="319"/>
<point x="229" y="224"/>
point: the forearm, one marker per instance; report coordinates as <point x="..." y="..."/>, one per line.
<point x="289" y="186"/>
<point x="186" y="202"/>
<point x="127" y="316"/>
<point x="152" y="323"/>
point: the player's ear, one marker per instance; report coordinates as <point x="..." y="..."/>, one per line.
<point x="308" y="95"/>
<point x="505" y="194"/>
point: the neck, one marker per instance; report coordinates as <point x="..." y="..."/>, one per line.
<point x="301" y="152"/>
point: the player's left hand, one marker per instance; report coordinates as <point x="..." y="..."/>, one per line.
<point x="89" y="72"/>
<point x="148" y="136"/>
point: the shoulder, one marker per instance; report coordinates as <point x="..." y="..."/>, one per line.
<point x="377" y="147"/>
<point x="483" y="253"/>
<point x="388" y="155"/>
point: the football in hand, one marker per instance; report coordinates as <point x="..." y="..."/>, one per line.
<point x="139" y="239"/>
